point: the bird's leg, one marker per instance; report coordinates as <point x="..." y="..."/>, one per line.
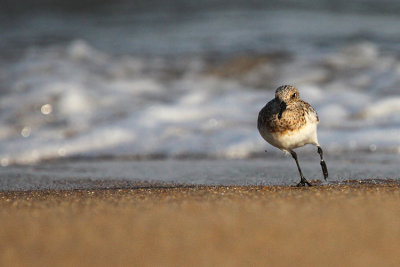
<point x="322" y="162"/>
<point x="303" y="180"/>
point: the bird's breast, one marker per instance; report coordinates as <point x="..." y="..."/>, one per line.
<point x="291" y="138"/>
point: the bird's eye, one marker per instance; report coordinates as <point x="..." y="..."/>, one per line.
<point x="294" y="95"/>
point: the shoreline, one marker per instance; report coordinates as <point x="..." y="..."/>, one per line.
<point x="131" y="185"/>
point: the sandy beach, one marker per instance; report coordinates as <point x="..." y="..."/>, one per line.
<point x="348" y="224"/>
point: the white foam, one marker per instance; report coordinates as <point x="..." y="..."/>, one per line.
<point x="382" y="108"/>
<point x="104" y="104"/>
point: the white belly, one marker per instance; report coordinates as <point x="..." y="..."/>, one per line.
<point x="292" y="139"/>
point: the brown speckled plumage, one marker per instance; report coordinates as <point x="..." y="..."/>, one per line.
<point x="292" y="118"/>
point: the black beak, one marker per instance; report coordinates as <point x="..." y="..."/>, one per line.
<point x="283" y="107"/>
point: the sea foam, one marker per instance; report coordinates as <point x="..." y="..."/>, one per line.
<point x="75" y="100"/>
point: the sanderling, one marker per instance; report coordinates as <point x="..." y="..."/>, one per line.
<point x="287" y="122"/>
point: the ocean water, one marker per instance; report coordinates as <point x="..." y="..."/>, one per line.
<point x="184" y="80"/>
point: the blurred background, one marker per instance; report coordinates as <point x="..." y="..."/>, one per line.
<point x="185" y="78"/>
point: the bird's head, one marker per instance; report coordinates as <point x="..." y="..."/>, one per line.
<point x="287" y="94"/>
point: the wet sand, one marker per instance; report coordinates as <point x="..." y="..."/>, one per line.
<point x="350" y="224"/>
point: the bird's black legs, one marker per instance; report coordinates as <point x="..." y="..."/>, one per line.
<point x="303" y="180"/>
<point x="323" y="164"/>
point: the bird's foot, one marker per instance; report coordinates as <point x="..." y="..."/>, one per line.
<point x="303" y="182"/>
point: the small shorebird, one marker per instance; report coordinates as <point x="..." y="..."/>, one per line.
<point x="287" y="122"/>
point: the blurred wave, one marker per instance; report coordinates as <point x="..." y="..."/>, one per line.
<point x="68" y="100"/>
<point x="159" y="27"/>
<point x="187" y="78"/>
